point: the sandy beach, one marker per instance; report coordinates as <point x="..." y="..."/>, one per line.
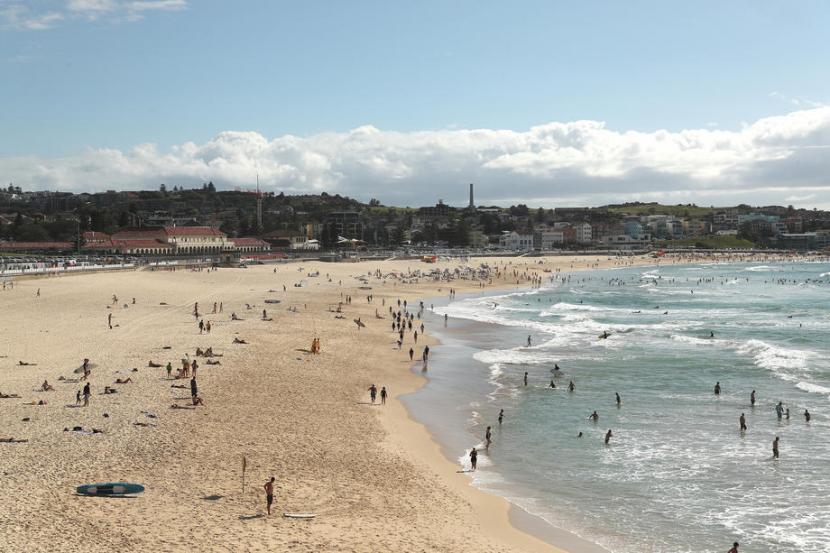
<point x="374" y="478"/>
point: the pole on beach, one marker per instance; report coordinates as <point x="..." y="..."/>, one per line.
<point x="244" y="466"/>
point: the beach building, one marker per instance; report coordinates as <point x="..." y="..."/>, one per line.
<point x="250" y="245"/>
<point x="196" y="240"/>
<point x="515" y="241"/>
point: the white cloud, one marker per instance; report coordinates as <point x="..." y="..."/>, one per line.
<point x="773" y="160"/>
<point x="45" y="15"/>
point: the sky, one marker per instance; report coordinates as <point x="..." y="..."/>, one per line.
<point x="541" y="102"/>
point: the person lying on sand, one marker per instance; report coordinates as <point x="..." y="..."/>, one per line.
<point x="213" y="362"/>
<point x="26" y="364"/>
<point x="12" y="441"/>
<point x="209" y="353"/>
<point x="198" y="400"/>
<point x="8" y="396"/>
<point x="239" y="341"/>
<point x="154" y="364"/>
<point x="235" y="318"/>
<point x="108" y="390"/>
<point x="178" y="386"/>
<point x="123" y="380"/>
<point x="39" y="402"/>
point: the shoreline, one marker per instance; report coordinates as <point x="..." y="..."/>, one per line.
<point x="373" y="472"/>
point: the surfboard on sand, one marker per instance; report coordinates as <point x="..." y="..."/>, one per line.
<point x="299" y="515"/>
<point x="110" y="488"/>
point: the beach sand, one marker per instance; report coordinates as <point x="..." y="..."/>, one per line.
<point x="375" y="479"/>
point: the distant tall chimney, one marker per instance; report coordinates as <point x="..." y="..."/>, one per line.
<point x="472" y="203"/>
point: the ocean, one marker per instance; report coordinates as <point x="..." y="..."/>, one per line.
<point x="677" y="475"/>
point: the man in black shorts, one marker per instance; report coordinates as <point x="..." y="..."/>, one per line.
<point x="269" y="493"/>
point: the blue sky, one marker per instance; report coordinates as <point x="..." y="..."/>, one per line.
<point x="85" y="75"/>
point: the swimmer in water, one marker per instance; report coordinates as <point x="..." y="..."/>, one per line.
<point x="525" y="378"/>
<point x="501" y="416"/>
<point x="717" y="388"/>
<point x="608" y="436"/>
<point x="593" y="417"/>
<point x="571" y="386"/>
<point x="752" y="398"/>
<point x="552" y="384"/>
<point x="619" y="401"/>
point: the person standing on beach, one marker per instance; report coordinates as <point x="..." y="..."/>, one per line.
<point x="501" y="416"/>
<point x="194" y="388"/>
<point x="411" y="354"/>
<point x="608" y="436"/>
<point x="87" y="393"/>
<point x="383" y="395"/>
<point x="742" y="420"/>
<point x="373" y="392"/>
<point x="473" y="458"/>
<point x="201" y="326"/>
<point x="169" y="369"/>
<point x="775" y="448"/>
<point x="269" y="493"/>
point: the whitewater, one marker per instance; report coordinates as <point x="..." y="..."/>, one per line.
<point x="678" y="475"/>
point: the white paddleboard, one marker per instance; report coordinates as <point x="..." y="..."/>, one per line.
<point x="299" y="515"/>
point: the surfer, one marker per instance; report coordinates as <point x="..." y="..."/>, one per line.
<point x="711" y="334"/>
<point x="742" y="420"/>
<point x="604" y="335"/>
<point x="717" y="388"/>
<point x="269" y="493"/>
<point x="775" y="448"/>
<point x="473" y="458"/>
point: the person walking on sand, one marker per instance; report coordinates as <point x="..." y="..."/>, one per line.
<point x="775" y="448"/>
<point x="269" y="494"/>
<point x="169" y="369"/>
<point x="383" y="395"/>
<point x="473" y="458"/>
<point x="87" y="393"/>
<point x="373" y="392"/>
<point x="201" y="326"/>
<point x="411" y="354"/>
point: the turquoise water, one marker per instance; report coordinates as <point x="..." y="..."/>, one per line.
<point x="678" y="474"/>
